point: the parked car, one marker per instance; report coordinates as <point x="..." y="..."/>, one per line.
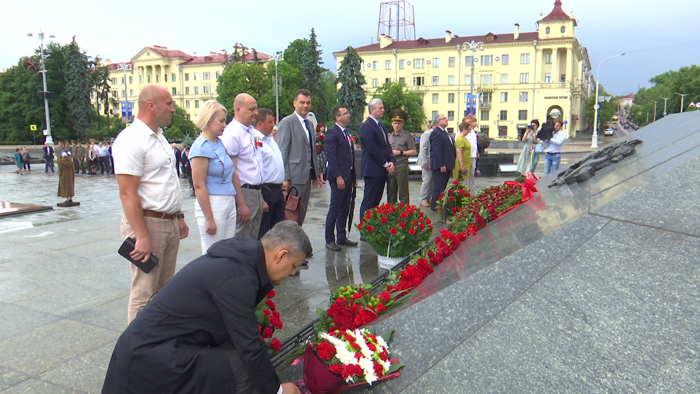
<point x="609" y="131"/>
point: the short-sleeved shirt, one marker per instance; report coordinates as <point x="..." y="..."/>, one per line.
<point x="139" y="151"/>
<point x="240" y="143"/>
<point x="472" y="138"/>
<point x="220" y="170"/>
<point x="404" y="142"/>
<point x="273" y="165"/>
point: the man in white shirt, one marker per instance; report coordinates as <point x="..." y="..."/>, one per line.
<point x="150" y="192"/>
<point x="552" y="156"/>
<point x="273" y="172"/>
<point x="244" y="145"/>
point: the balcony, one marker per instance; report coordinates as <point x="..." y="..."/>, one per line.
<point x="486" y="87"/>
<point x="419" y="88"/>
<point x="485" y="104"/>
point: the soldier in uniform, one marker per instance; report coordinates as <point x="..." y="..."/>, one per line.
<point x="79" y="158"/>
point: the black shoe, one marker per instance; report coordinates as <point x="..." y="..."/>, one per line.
<point x="346" y="242"/>
<point x="333" y="246"/>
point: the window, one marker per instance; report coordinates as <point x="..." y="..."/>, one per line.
<point x="562" y="29"/>
<point x="402" y="64"/>
<point x="450" y="98"/>
<point x="486" y="98"/>
<point x="505" y="60"/>
<point x="436" y="62"/>
<point x="174" y="91"/>
<point x="165" y="78"/>
<point x="436" y="81"/>
<point x="196" y="77"/>
<point x="207" y="75"/>
<point x="503" y="115"/>
<point x="140" y="78"/>
<point x="387" y="64"/>
<point x="187" y="90"/>
<point x="503" y="131"/>
<point x="131" y="80"/>
<point x="217" y="74"/>
<point x="418" y="63"/>
<point x="114" y="81"/>
<point x="547" y="30"/>
<point x="418" y="81"/>
<point x="187" y="103"/>
<point x="451" y="62"/>
<point x="524" y="58"/>
<point x="504" y="78"/>
<point x="157" y="78"/>
<point x="363" y="66"/>
<point x="123" y="93"/>
<point x="451" y="80"/>
<point x="433" y="115"/>
<point x="486" y="79"/>
<point x="468" y="60"/>
<point x="523" y="97"/>
<point x="467" y="79"/>
<point x="522" y="114"/>
<point x="115" y="93"/>
<point x="547" y="58"/>
<point x="122" y="79"/>
<point x="486" y="60"/>
<point x="450" y="130"/>
<point x="196" y="103"/>
<point x="402" y="80"/>
<point x="375" y="65"/>
<point x="524" y="77"/>
<point x="172" y="77"/>
<point x="207" y="89"/>
<point x="148" y="79"/>
<point x="484" y="128"/>
<point x="187" y="76"/>
<point x="562" y="78"/>
<point x="387" y="80"/>
<point x="196" y="90"/>
<point x="436" y="98"/>
<point x="450" y="115"/>
<point x="131" y="92"/>
<point x="504" y="97"/>
<point x="484" y="115"/>
<point x="547" y="78"/>
<point x="375" y="82"/>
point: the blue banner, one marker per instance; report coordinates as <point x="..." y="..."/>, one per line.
<point x="127" y="110"/>
<point x="471" y="104"/>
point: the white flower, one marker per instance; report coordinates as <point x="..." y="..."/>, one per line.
<point x="382" y="343"/>
<point x="368" y="366"/>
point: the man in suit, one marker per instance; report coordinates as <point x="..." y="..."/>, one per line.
<point x="199" y="334"/>
<point x="426" y="189"/>
<point x="48" y="157"/>
<point x="342" y="178"/>
<point x="442" y="157"/>
<point x="295" y="137"/>
<point x="377" y="160"/>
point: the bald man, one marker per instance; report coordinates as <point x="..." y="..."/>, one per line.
<point x="150" y="194"/>
<point x="241" y="142"/>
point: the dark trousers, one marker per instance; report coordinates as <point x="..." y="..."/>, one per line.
<point x="104" y="164"/>
<point x="439" y="184"/>
<point x="49" y="164"/>
<point x="272" y="194"/>
<point x="374" y="188"/>
<point x="76" y="165"/>
<point x="338" y="211"/>
<point x="111" y="163"/>
<point x="27" y="165"/>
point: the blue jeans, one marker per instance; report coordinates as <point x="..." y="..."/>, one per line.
<point x="49" y="164"/>
<point x="551" y="162"/>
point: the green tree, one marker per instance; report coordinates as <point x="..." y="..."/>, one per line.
<point x="290" y="81"/>
<point x="395" y="95"/>
<point x="180" y="126"/>
<point x="686" y="80"/>
<point x="605" y="112"/>
<point x="312" y="72"/>
<point x="329" y="89"/>
<point x="295" y="52"/>
<point x="242" y="78"/>
<point x="78" y="86"/>
<point x="351" y="93"/>
<point x="19" y="104"/>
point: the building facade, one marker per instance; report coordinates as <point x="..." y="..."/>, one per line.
<point x="190" y="79"/>
<point x="506" y="80"/>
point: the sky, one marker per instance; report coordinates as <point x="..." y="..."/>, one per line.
<point x="656" y="36"/>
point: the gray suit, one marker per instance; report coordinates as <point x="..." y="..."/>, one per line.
<point x="296" y="151"/>
<point x="424" y="158"/>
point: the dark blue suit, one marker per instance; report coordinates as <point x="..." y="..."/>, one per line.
<point x="341" y="162"/>
<point x="375" y="152"/>
<point x="442" y="154"/>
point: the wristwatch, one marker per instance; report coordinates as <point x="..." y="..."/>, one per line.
<point x="180" y="215"/>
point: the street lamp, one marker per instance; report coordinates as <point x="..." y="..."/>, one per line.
<point x="594" y="140"/>
<point x="665" y="105"/>
<point x="45" y="92"/>
<point x="682" y="99"/>
<point x="279" y="56"/>
<point x="473" y="46"/>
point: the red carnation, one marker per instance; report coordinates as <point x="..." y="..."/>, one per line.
<point x="275" y="344"/>
<point x="267" y="333"/>
<point x="271" y="294"/>
<point x="335" y="368"/>
<point x="381" y="307"/>
<point x="326" y="351"/>
<point x="384" y="219"/>
<point x="455" y="182"/>
<point x="403" y="215"/>
<point x="356" y="296"/>
<point x="267" y="312"/>
<point x="385" y="296"/>
<point x="270" y="304"/>
<point x="393" y="231"/>
<point x="412" y="231"/>
<point x="370" y="228"/>
<point x="402" y="224"/>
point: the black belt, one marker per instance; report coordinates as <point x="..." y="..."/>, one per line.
<point x="254" y="187"/>
<point x="553" y="153"/>
<point x="275" y="185"/>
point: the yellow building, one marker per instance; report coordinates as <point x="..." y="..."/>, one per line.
<point x="190" y="79"/>
<point x="516" y="76"/>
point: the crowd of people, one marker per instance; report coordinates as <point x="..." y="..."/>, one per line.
<point x="90" y="158"/>
<point x="548" y="140"/>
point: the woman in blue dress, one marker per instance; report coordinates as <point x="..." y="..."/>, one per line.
<point x="18" y="162"/>
<point x="212" y="177"/>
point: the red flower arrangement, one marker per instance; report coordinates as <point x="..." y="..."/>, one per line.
<point x="395" y="230"/>
<point x="269" y="319"/>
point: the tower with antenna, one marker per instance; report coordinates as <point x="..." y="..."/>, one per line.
<point x="397" y="20"/>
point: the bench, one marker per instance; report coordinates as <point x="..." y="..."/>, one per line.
<point x="506" y="169"/>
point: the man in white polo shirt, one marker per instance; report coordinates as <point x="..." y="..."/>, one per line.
<point x="150" y="192"/>
<point x="244" y="146"/>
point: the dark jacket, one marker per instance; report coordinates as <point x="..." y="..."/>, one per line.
<point x="375" y="149"/>
<point x="442" y="150"/>
<point x="173" y="344"/>
<point x="340" y="154"/>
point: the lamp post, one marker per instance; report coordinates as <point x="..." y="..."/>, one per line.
<point x="655" y="102"/>
<point x="45" y="92"/>
<point x="682" y="99"/>
<point x="594" y="140"/>
<point x="278" y="58"/>
<point x="665" y="105"/>
<point x="473" y="46"/>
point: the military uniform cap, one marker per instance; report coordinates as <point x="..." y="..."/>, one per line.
<point x="398" y="115"/>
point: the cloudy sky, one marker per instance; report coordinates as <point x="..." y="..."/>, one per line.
<point x="656" y="36"/>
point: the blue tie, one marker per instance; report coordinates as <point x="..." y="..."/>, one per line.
<point x="312" y="143"/>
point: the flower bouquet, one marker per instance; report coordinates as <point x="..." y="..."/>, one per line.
<point x="343" y="359"/>
<point x="395" y="230"/>
<point x="455" y="197"/>
<point x="269" y="319"/>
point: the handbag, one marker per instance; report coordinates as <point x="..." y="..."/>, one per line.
<point x="293" y="205"/>
<point x="539" y="148"/>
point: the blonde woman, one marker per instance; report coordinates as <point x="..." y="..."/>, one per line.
<point x="463" y="163"/>
<point x="212" y="177"/>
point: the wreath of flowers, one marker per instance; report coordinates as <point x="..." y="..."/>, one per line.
<point x="395" y="230"/>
